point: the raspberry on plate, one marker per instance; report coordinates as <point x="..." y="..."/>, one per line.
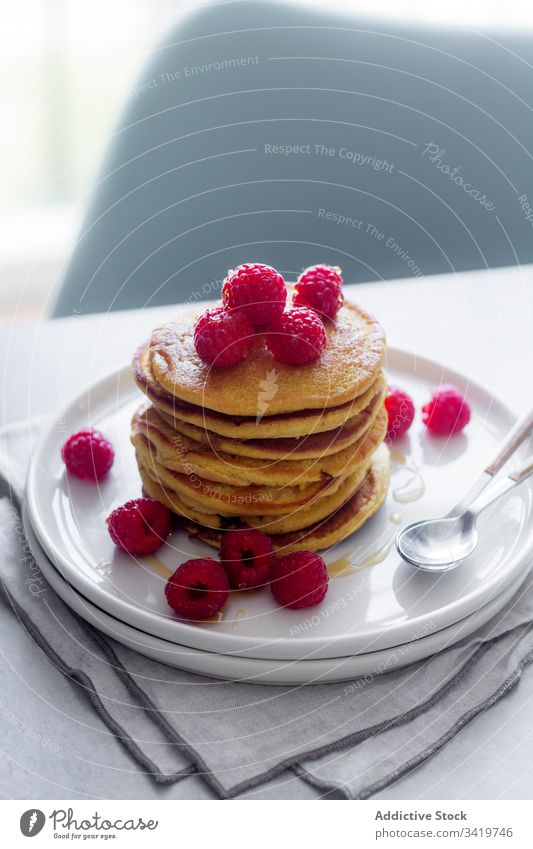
<point x="140" y="526"/>
<point x="447" y="411"/>
<point x="197" y="589"/>
<point x="297" y="338"/>
<point x="299" y="580"/>
<point x="88" y="455"/>
<point x="319" y="288"/>
<point x="257" y="290"/>
<point x="318" y="273"/>
<point x="247" y="556"/>
<point x="401" y="412"/>
<point x="222" y="338"/>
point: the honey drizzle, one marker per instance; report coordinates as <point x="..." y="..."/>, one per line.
<point x="346" y="566"/>
<point x="218" y="617"/>
<point x="415" y="487"/>
<point x="158" y="566"/>
<point x="105" y="567"/>
<point x="239" y="614"/>
<point x="377" y="556"/>
<point x="342" y="567"/>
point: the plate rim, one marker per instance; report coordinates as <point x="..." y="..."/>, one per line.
<point x="370" y="663"/>
<point x="205" y="639"/>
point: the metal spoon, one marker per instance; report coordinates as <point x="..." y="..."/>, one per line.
<point x="437" y="545"/>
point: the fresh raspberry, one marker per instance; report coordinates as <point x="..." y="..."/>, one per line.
<point x="222" y="338"/>
<point x="321" y="295"/>
<point x="319" y="288"/>
<point x="88" y="454"/>
<point x="299" y="580"/>
<point x="401" y="412"/>
<point x="140" y="526"/>
<point x="247" y="556"/>
<point x="197" y="589"/>
<point x="319" y="273"/>
<point x="257" y="290"/>
<point x="297" y="337"/>
<point x="447" y="411"/>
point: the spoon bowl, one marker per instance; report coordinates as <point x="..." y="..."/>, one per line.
<point x="438" y="545"/>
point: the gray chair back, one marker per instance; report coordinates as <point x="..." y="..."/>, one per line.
<point x="278" y="133"/>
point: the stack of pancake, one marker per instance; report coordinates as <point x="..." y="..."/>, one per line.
<point x="296" y="452"/>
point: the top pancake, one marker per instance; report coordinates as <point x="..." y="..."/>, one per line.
<point x="263" y="426"/>
<point x="262" y="386"/>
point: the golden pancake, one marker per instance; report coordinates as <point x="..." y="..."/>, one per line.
<point x="333" y="529"/>
<point x="349" y="518"/>
<point x="214" y="497"/>
<point x="177" y="452"/>
<point x="259" y="425"/>
<point x="308" y="447"/>
<point x="294" y="521"/>
<point x="154" y="489"/>
<point x="314" y="512"/>
<point x="261" y="386"/>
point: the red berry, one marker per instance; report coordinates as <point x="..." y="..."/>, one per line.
<point x="247" y="556"/>
<point x="140" y="526"/>
<point x="257" y="290"/>
<point x="299" y="580"/>
<point x="297" y="337"/>
<point x="447" y="411"/>
<point x="197" y="589"/>
<point x="319" y="273"/>
<point x="222" y="338"/>
<point x="88" y="454"/>
<point x="322" y="296"/>
<point x="401" y="412"/>
<point x="319" y="288"/>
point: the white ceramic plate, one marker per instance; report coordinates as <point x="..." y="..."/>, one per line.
<point x="259" y="670"/>
<point x="382" y="603"/>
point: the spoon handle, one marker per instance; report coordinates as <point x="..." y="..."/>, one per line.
<point x="500" y="488"/>
<point x="516" y="435"/>
<point x="519" y="431"/>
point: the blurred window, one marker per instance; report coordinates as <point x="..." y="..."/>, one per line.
<point x="66" y="67"/>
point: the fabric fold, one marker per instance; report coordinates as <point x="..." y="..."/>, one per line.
<point x="354" y="738"/>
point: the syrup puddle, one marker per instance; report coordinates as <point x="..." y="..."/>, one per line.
<point x="410" y="491"/>
<point x="397" y="456"/>
<point x="233" y="598"/>
<point x="414" y="488"/>
<point x="239" y="614"/>
<point x="338" y="569"/>
<point x="158" y="566"/>
<point x="105" y="567"/>
<point x="377" y="556"/>
<point x="342" y="567"/>
<point x="346" y="565"/>
<point x="212" y="620"/>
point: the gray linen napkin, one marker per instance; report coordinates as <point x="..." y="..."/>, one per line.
<point x="356" y="737"/>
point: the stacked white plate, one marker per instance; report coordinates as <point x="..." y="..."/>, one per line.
<point x="379" y="612"/>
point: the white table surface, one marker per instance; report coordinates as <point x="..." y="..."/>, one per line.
<point x="54" y="746"/>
